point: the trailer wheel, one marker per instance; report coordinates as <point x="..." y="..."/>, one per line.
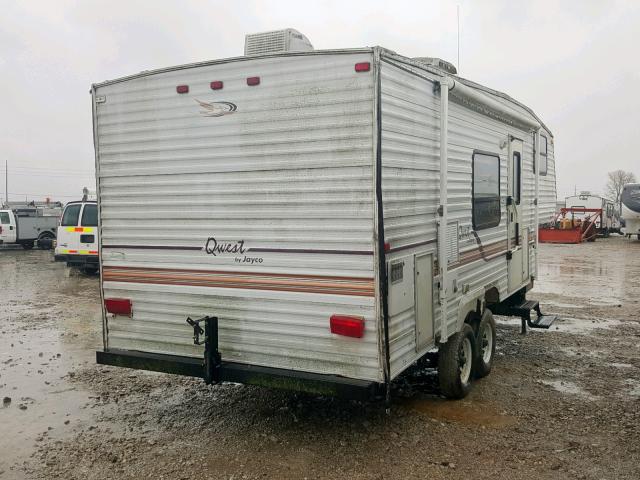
<point x="455" y="365"/>
<point x="27" y="245"/>
<point x="485" y="345"/>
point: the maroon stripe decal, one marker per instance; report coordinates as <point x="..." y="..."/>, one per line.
<point x="411" y="245"/>
<point x="257" y="250"/>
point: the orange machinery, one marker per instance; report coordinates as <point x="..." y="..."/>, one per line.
<point x="571" y="229"/>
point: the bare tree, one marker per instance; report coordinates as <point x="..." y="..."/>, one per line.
<point x="616" y="181"/>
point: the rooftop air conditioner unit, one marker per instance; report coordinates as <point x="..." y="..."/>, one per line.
<point x="287" y="40"/>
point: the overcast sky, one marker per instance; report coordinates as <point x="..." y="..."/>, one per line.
<point x="574" y="62"/>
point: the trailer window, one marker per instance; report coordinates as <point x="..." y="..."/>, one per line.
<point x="70" y="216"/>
<point x="485" y="191"/>
<point x="543" y="155"/>
<point x="517" y="178"/>
<point x="90" y="215"/>
<point x="4" y="218"/>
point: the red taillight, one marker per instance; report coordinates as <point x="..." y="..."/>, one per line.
<point x="347" y="325"/>
<point x="363" y="67"/>
<point x="182" y="89"/>
<point x="217" y="85"/>
<point x="251" y="81"/>
<point x="118" y="306"/>
<point x="387" y="246"/>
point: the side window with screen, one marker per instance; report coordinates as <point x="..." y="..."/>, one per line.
<point x="485" y="196"/>
<point x="71" y="214"/>
<point x="90" y="215"/>
<point x="543" y="155"/>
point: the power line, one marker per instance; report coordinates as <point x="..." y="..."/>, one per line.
<point x="53" y="175"/>
<point x="42" y="195"/>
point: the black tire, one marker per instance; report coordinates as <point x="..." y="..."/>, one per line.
<point x="451" y="368"/>
<point x="89" y="270"/>
<point x="45" y="241"/>
<point x="27" y="245"/>
<point x="485" y="345"/>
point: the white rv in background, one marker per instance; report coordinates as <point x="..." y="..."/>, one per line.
<point x="315" y="220"/>
<point x="606" y="224"/>
<point x="630" y="212"/>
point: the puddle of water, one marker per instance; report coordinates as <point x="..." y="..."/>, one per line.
<point x="49" y="326"/>
<point x="620" y="365"/>
<point x="635" y="387"/>
<point x="465" y="412"/>
<point x="563" y="386"/>
<point x="562" y="304"/>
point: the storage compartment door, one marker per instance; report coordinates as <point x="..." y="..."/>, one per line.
<point x="424" y="301"/>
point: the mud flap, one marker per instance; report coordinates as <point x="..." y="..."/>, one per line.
<point x="212" y="357"/>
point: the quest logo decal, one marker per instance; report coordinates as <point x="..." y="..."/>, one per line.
<point x="217" y="248"/>
<point x="216" y="109"/>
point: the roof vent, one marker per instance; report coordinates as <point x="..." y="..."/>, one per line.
<point x="287" y="40"/>
<point x="438" y="63"/>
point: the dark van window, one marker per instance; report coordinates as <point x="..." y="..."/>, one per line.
<point x="90" y="215"/>
<point x="4" y="218"/>
<point x="485" y="191"/>
<point x="71" y="214"/>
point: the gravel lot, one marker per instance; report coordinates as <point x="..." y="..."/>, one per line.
<point x="559" y="404"/>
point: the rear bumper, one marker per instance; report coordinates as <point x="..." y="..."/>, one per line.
<point x="249" y="374"/>
<point x="78" y="260"/>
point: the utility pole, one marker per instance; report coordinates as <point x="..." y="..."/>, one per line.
<point x="6" y="182"/>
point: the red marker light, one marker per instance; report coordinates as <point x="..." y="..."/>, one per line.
<point x="216" y="85"/>
<point x="182" y="89"/>
<point x="387" y="246"/>
<point x="118" y="306"/>
<point x="347" y="325"/>
<point x="363" y="67"/>
<point x="251" y="81"/>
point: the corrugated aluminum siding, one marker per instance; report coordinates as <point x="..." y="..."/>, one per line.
<point x="290" y="173"/>
<point x="410" y="183"/>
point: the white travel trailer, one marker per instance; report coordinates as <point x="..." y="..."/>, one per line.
<point x="630" y="200"/>
<point x="605" y="225"/>
<point x="315" y="220"/>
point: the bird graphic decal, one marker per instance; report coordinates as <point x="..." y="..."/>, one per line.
<point x="216" y="109"/>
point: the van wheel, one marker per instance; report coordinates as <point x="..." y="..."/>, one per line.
<point x="455" y="365"/>
<point x="27" y="245"/>
<point x="485" y="345"/>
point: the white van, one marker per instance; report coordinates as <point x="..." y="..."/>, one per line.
<point x="77" y="243"/>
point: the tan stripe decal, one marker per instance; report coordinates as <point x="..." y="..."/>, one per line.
<point x="489" y="252"/>
<point x="243" y="280"/>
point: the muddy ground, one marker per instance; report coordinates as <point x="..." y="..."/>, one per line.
<point x="559" y="404"/>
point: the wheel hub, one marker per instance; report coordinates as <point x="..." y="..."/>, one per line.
<point x="465" y="360"/>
